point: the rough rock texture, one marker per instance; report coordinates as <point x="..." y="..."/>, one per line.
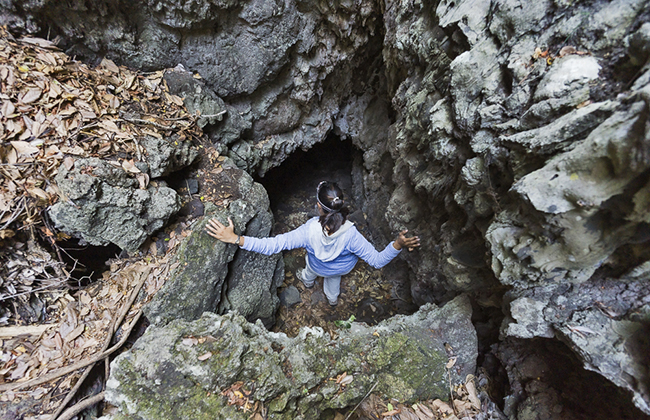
<point x="213" y="276"/>
<point x="167" y="155"/>
<point x="199" y="99"/>
<point x="512" y="136"/>
<point x="103" y="204"/>
<point x="540" y="388"/>
<point x="285" y="68"/>
<point x="162" y="376"/>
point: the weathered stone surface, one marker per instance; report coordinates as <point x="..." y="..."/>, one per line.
<point x="604" y="321"/>
<point x="197" y="97"/>
<point x="167" y="155"/>
<point x="548" y="382"/>
<point x="290" y="296"/>
<point x="104" y="204"/>
<point x="283" y="67"/>
<point x="213" y="276"/>
<point x="512" y="136"/>
<point x="161" y="377"/>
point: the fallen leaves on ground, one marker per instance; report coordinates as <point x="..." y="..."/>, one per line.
<point x="54" y="110"/>
<point x="80" y="333"/>
<point x="465" y="405"/>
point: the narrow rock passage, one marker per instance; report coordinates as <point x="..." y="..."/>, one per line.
<point x="366" y="293"/>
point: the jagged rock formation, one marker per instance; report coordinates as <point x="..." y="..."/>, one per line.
<point x="104" y="204"/>
<point x="167" y="375"/>
<point x="512" y="136"/>
<point x="217" y="277"/>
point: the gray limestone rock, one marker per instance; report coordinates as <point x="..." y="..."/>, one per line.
<point x="217" y="277"/>
<point x="604" y="322"/>
<point x="521" y="164"/>
<point x="197" y="97"/>
<point x="290" y="296"/>
<point x="167" y="155"/>
<point x="179" y="370"/>
<point x="103" y="204"/>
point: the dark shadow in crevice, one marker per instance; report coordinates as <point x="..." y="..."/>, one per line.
<point x="545" y="375"/>
<point x="86" y="262"/>
<point x="331" y="160"/>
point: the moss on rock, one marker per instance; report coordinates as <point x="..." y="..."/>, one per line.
<point x="178" y="371"/>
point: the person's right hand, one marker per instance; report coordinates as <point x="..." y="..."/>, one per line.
<point x="402" y="241"/>
<point x="220" y="231"/>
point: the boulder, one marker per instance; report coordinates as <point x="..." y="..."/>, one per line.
<point x="185" y="369"/>
<point x="214" y="276"/>
<point x="101" y="204"/>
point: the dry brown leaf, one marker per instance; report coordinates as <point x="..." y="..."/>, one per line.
<point x="74" y="333"/>
<point x="109" y="65"/>
<point x="68" y="162"/>
<point x="7" y="109"/>
<point x="114" y="102"/>
<point x="451" y="362"/>
<point x="44" y="43"/>
<point x="31" y="95"/>
<point x="472" y="394"/>
<point x="347" y="380"/>
<point x="567" y="50"/>
<point x="38" y="193"/>
<point x="24" y="148"/>
<point x="422" y="415"/>
<point x="129" y="166"/>
<point x="442" y="407"/>
<point x="190" y="341"/>
<point x="110" y="126"/>
<point x="151" y="133"/>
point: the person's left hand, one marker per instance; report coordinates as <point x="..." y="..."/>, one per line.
<point x="218" y="230"/>
<point x="402" y="241"/>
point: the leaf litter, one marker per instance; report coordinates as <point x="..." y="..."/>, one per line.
<point x="54" y="110"/>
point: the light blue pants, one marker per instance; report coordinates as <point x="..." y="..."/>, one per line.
<point x="331" y="284"/>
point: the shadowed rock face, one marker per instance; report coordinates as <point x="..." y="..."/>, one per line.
<point x="512" y="136"/>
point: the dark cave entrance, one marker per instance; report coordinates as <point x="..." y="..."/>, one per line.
<point x="86" y="262"/>
<point x="300" y="173"/>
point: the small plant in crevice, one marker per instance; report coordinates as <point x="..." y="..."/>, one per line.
<point x="345" y="324"/>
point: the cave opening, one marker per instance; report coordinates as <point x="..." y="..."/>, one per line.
<point x="86" y="262"/>
<point x="298" y="176"/>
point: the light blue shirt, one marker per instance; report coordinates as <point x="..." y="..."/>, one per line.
<point x="354" y="246"/>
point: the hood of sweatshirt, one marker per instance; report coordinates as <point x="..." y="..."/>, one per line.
<point x="328" y="247"/>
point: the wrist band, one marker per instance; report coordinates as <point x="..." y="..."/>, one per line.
<point x="238" y="239"/>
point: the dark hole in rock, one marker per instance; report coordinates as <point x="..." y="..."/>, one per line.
<point x="368" y="294"/>
<point x="548" y="379"/>
<point x="87" y="262"/>
<point x="186" y="183"/>
<point x="301" y="172"/>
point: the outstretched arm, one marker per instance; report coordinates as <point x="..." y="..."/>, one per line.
<point x="402" y="241"/>
<point x="224" y="233"/>
<point x="297" y="238"/>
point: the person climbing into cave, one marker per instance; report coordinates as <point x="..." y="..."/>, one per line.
<point x="333" y="243"/>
